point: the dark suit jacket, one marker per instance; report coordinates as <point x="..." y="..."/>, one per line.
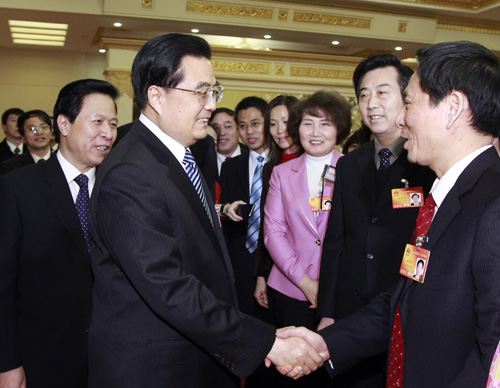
<point x="164" y="298"/>
<point x="5" y="152"/>
<point x="45" y="279"/>
<point x="16" y="162"/>
<point x="235" y="186"/>
<point x="365" y="238"/>
<point x="450" y="322"/>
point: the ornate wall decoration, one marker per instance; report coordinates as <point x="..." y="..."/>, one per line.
<point x="476" y="30"/>
<point x="333" y="20"/>
<point x="122" y="80"/>
<point x="467" y="4"/>
<point x="280" y="70"/>
<point x="282" y="14"/>
<point x="147" y="3"/>
<point x="229" y="10"/>
<point x="314" y="72"/>
<point x="402" y="27"/>
<point x="241" y="67"/>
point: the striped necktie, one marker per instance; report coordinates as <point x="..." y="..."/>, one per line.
<point x="254" y="220"/>
<point x="194" y="175"/>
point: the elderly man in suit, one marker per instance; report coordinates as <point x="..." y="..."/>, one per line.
<point x="45" y="274"/>
<point x="12" y="145"/>
<point x="35" y="128"/>
<point x="442" y="332"/>
<point x="164" y="302"/>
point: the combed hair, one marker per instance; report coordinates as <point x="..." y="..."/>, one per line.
<point x="32" y="113"/>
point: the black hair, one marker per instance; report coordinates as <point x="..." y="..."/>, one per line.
<point x="230" y="112"/>
<point x="70" y="99"/>
<point x="360" y="136"/>
<point x="32" y="113"/>
<point x="378" y="62"/>
<point x="251" y="102"/>
<point x="469" y="68"/>
<point x="11" y="111"/>
<point x="158" y="62"/>
<point x="274" y="150"/>
<point x="330" y="104"/>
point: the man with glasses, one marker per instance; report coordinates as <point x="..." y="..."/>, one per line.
<point x="36" y="131"/>
<point x="45" y="274"/>
<point x="164" y="302"/>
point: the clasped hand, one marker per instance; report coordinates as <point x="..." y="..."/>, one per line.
<point x="297" y="351"/>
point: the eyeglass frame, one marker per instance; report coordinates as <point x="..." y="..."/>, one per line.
<point x="209" y="93"/>
<point x="253" y="124"/>
<point x="35" y="129"/>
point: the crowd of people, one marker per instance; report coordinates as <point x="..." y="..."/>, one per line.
<point x="179" y="258"/>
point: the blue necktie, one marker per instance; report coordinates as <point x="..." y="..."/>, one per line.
<point x="194" y="175"/>
<point x="384" y="154"/>
<point x="254" y="220"/>
<point x="17" y="151"/>
<point x="82" y="206"/>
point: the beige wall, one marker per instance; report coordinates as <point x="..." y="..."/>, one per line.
<point x="31" y="79"/>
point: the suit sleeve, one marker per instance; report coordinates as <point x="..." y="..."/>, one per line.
<point x="140" y="223"/>
<point x="332" y="250"/>
<point x="276" y="227"/>
<point x="10" y="240"/>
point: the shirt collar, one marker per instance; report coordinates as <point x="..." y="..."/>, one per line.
<point x="396" y="146"/>
<point x="71" y="172"/>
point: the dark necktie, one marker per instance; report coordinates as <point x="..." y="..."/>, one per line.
<point x="254" y="220"/>
<point x="41" y="160"/>
<point x="385" y="154"/>
<point x="82" y="206"/>
<point x="17" y="151"/>
<point x="194" y="175"/>
<point x="397" y="349"/>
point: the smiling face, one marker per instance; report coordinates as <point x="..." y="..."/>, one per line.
<point x="251" y="129"/>
<point x="318" y="135"/>
<point x="227" y="134"/>
<point x="86" y="141"/>
<point x="380" y="102"/>
<point x="38" y="143"/>
<point x="278" y="121"/>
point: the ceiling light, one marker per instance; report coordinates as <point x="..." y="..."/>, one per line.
<point x="102" y="50"/>
<point x="398" y="48"/>
<point x="267" y="36"/>
<point x="38" y="33"/>
<point x="117" y="24"/>
<point x="335" y="42"/>
<point x="195" y="30"/>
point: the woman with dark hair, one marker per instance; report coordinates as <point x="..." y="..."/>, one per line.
<point x="282" y="148"/>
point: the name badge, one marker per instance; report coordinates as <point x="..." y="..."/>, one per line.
<point x="314" y="203"/>
<point x="407" y="197"/>
<point x="414" y="264"/>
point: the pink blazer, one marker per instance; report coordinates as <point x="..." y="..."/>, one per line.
<point x="292" y="236"/>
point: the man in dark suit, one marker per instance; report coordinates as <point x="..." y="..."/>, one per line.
<point x="45" y="273"/>
<point x="12" y="145"/>
<point x="164" y="303"/>
<point x="445" y="328"/>
<point x="366" y="235"/>
<point x="35" y="128"/>
<point x="236" y="183"/>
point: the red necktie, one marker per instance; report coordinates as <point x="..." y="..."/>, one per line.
<point x="397" y="350"/>
<point x="227" y="158"/>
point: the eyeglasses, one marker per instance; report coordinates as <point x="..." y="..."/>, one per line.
<point x="253" y="124"/>
<point x="206" y="93"/>
<point x="40" y="129"/>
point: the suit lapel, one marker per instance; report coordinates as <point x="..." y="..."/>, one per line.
<point x="244" y="176"/>
<point x="366" y="168"/>
<point x="57" y="193"/>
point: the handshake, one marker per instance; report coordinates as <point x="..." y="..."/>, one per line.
<point x="297" y="351"/>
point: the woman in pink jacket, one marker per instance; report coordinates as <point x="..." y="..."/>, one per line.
<point x="297" y="211"/>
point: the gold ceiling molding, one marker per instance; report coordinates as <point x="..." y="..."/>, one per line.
<point x="241" y="67"/>
<point x="228" y="10"/>
<point x="121" y="79"/>
<point x="402" y="27"/>
<point x="318" y="18"/>
<point x="315" y="72"/>
<point x="282" y="14"/>
<point x="147" y="3"/>
<point x="280" y="70"/>
<point x="466" y="4"/>
<point x="476" y="30"/>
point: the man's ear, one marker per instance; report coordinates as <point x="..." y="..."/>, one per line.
<point x="63" y="125"/>
<point x="458" y="105"/>
<point x="155" y="98"/>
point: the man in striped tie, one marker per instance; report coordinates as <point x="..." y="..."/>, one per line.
<point x="442" y="331"/>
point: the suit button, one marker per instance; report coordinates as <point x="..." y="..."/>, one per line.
<point x="374" y="219"/>
<point x="356" y="293"/>
<point x="369" y="256"/>
<point x="318" y="242"/>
